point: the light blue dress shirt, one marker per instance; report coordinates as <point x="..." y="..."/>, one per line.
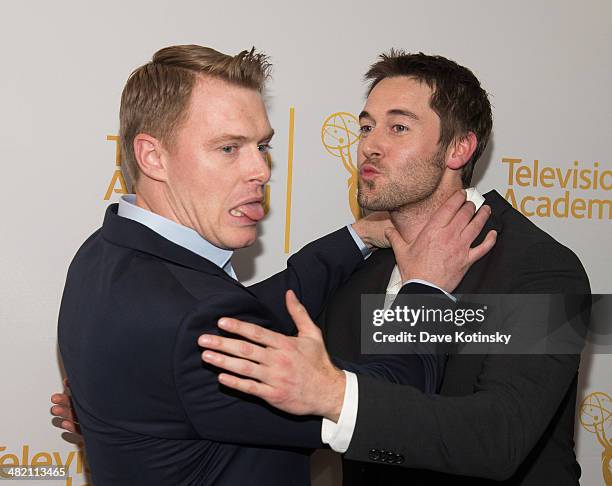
<point x="176" y="233"/>
<point x="189" y="238"/>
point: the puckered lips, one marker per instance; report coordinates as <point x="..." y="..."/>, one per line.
<point x="249" y="211"/>
<point x="368" y="172"/>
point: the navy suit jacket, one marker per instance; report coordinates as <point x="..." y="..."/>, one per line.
<point x="150" y="410"/>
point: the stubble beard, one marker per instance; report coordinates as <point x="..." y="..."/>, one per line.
<point x="404" y="189"/>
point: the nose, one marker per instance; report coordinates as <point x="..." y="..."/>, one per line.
<point x="370" y="145"/>
<point x="259" y="168"/>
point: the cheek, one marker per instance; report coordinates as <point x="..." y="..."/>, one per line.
<point x="409" y="151"/>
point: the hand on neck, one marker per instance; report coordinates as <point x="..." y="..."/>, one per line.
<point x="410" y="219"/>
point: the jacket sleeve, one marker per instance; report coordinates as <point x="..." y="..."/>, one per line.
<point x="421" y="370"/>
<point x="222" y="414"/>
<point x="314" y="273"/>
<point x="490" y="432"/>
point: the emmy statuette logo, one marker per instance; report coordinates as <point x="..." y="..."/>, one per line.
<point x="596" y="418"/>
<point x="340" y="134"/>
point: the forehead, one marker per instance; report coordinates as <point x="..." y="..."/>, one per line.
<point x="400" y="92"/>
<point x="218" y="106"/>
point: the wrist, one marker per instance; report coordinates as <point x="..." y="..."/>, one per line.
<point x="360" y="228"/>
<point x="334" y="398"/>
<point x="413" y="274"/>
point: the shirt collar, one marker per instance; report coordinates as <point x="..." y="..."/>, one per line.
<point x="174" y="232"/>
<point x="474" y="196"/>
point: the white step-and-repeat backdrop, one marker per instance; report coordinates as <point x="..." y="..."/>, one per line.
<point x="546" y="64"/>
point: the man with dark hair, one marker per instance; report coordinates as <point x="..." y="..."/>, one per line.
<point x="498" y="417"/>
<point x="141" y="289"/>
<point x="462" y="105"/>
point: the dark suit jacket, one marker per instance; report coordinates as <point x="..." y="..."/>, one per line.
<point x="151" y="412"/>
<point x="497" y="418"/>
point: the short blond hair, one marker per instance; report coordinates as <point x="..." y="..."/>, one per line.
<point x="156" y="95"/>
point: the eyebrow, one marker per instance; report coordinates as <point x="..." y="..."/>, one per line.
<point x="398" y="111"/>
<point x="269" y="136"/>
<point x="394" y="111"/>
<point x="228" y="137"/>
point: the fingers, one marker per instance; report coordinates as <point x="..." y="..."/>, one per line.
<point x="70" y="426"/>
<point x="445" y="213"/>
<point x="62" y="412"/>
<point x="60" y="399"/>
<point x="64" y="416"/>
<point x="66" y="425"/>
<point x="62" y="407"/>
<point x="473" y="229"/>
<point x="399" y="247"/>
<point x="240" y="366"/>
<point x="481" y="250"/>
<point x="463" y="216"/>
<point x="65" y="419"/>
<point x="234" y="347"/>
<point x="300" y="316"/>
<point x="395" y="239"/>
<point x="252" y="332"/>
<point x="250" y="387"/>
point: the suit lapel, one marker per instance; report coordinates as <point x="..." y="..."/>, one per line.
<point x="498" y="205"/>
<point x="380" y="266"/>
<point x="131" y="234"/>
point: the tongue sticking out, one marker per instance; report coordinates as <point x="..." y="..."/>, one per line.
<point x="253" y="211"/>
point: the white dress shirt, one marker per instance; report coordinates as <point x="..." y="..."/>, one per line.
<point x="339" y="435"/>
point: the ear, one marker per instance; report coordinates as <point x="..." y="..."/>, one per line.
<point x="461" y="150"/>
<point x="150" y="157"/>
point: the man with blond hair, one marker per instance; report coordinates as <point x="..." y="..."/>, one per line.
<point x="194" y="134"/>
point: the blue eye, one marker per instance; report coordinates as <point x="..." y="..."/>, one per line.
<point x="264" y="147"/>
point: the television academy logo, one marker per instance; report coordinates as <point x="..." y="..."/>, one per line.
<point x="578" y="191"/>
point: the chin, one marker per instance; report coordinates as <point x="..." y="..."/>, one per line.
<point x="241" y="238"/>
<point x="371" y="202"/>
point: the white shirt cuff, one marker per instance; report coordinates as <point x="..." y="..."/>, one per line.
<point x="363" y="248"/>
<point x="339" y="435"/>
<point x="425" y="282"/>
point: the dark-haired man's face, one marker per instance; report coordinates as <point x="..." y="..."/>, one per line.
<point x="399" y="159"/>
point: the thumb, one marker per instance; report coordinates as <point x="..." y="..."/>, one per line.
<point x="395" y="240"/>
<point x="300" y="317"/>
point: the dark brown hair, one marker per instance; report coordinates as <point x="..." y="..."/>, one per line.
<point x="156" y="95"/>
<point x="457" y="97"/>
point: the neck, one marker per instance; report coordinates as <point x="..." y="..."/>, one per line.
<point x="410" y="219"/>
<point x="152" y="197"/>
